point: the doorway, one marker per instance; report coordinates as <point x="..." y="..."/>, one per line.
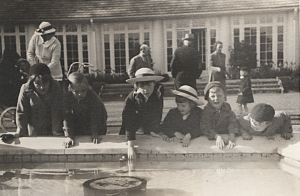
<point x="199" y="44"/>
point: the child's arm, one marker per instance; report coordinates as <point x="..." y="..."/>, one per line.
<point x="56" y="110"/>
<point x="131" y="152"/>
<point x="243" y="124"/>
<point x="286" y="127"/>
<point x="207" y="125"/>
<point x="98" y="116"/>
<point x="130" y="117"/>
<point x="186" y="140"/>
<point x="231" y="142"/>
<point x="22" y="113"/>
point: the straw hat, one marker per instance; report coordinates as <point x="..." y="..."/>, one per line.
<point x="188" y="37"/>
<point x="143" y="75"/>
<point x="189" y="93"/>
<point x="45" y="28"/>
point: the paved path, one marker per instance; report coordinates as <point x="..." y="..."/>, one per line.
<point x="288" y="102"/>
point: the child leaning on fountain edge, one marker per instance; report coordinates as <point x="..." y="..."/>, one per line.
<point x="142" y="112"/>
<point x="265" y="121"/>
<point x="217" y="117"/>
<point x="183" y="122"/>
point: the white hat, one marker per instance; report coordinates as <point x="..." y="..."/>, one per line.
<point x="143" y="75"/>
<point x="45" y="28"/>
<point x="189" y="93"/>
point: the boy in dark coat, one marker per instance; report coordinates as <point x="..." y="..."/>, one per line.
<point x="83" y="111"/>
<point x="245" y="95"/>
<point x="142" y="112"/>
<point x="184" y="121"/>
<point x="218" y="118"/>
<point x="265" y="121"/>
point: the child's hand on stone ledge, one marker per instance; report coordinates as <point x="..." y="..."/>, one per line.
<point x="287" y="136"/>
<point x="246" y="136"/>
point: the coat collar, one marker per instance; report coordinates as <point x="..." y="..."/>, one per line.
<point x="47" y="43"/>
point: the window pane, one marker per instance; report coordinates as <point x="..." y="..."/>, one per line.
<point x="9" y="29"/>
<point x="120" y="63"/>
<point x="71" y="28"/>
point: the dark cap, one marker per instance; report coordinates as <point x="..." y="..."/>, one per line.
<point x="39" y="69"/>
<point x="211" y="85"/>
<point x="262" y="112"/>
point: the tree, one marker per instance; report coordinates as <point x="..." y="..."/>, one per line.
<point x="243" y="55"/>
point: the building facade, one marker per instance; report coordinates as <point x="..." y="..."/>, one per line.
<point x="109" y="40"/>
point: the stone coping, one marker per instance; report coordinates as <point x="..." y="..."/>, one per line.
<point x="43" y="149"/>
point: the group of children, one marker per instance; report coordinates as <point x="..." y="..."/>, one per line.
<point x="43" y="109"/>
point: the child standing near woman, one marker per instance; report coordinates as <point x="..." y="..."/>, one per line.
<point x="83" y="111"/>
<point x="245" y="93"/>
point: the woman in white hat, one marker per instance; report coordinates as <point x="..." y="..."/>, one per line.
<point x="45" y="48"/>
<point x="142" y="112"/>
<point x="183" y="122"/>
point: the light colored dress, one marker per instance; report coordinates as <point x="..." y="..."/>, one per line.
<point x="48" y="53"/>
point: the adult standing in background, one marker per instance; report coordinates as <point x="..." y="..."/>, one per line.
<point x="143" y="59"/>
<point x="217" y="69"/>
<point x="45" y="48"/>
<point x="186" y="64"/>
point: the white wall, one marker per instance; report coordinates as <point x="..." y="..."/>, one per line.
<point x="157" y="46"/>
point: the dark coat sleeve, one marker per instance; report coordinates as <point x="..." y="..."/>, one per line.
<point x="56" y="110"/>
<point x="98" y="116"/>
<point x="175" y="64"/>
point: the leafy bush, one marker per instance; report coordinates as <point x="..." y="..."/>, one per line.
<point x="108" y="78"/>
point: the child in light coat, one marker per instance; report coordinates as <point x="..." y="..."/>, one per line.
<point x="184" y="121"/>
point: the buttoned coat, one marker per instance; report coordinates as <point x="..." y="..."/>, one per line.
<point x="245" y="90"/>
<point x="39" y="114"/>
<point x="138" y="62"/>
<point x="174" y="122"/>
<point x="85" y="117"/>
<point x="186" y="66"/>
<point x="140" y="114"/>
<point x="225" y="124"/>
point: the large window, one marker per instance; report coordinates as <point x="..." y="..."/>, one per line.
<point x="121" y="42"/>
<point x="266" y="55"/>
<point x="119" y="47"/>
<point x="280" y="46"/>
<point x="265" y="32"/>
<point x="74" y="42"/>
<point x="13" y="37"/>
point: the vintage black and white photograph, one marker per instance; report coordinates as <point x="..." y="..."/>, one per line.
<point x="149" y="98"/>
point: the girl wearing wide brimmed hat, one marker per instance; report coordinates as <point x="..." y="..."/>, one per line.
<point x="183" y="122"/>
<point x="45" y="48"/>
<point x="143" y="107"/>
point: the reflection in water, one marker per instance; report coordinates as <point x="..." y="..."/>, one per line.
<point x="163" y="178"/>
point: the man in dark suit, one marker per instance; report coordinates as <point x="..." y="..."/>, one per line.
<point x="186" y="64"/>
